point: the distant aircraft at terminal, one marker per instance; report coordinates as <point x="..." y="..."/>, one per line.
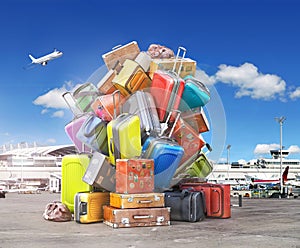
<point x="44" y="59"/>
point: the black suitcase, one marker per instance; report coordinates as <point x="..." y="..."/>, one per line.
<point x="186" y="205"/>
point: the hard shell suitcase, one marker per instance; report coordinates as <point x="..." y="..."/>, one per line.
<point x="201" y="167"/>
<point x="166" y="89"/>
<point x="197" y="119"/>
<point x="166" y="154"/>
<point x="107" y="106"/>
<point x="85" y="95"/>
<point x="73" y="126"/>
<point x="93" y="133"/>
<point x="133" y="77"/>
<point x="120" y="53"/>
<point x="195" y="94"/>
<point x="141" y="103"/>
<point x="134" y="175"/>
<point x="217" y="198"/>
<point x="185" y="205"/>
<point x="72" y="169"/>
<point x="124" y="137"/>
<point x="137" y="217"/>
<point x="88" y="206"/>
<point x="188" y="138"/>
<point x="144" y="200"/>
<point x="100" y="173"/>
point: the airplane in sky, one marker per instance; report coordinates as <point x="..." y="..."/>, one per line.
<point x="44" y="59"/>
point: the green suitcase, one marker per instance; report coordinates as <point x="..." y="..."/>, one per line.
<point x="72" y="171"/>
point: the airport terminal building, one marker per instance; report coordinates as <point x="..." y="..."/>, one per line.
<point x="36" y="165"/>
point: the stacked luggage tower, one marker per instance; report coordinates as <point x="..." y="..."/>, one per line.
<point x="141" y="159"/>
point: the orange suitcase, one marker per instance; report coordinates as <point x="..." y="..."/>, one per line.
<point x="134" y="175"/>
<point x="217" y="198"/>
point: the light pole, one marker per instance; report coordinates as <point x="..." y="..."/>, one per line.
<point x="228" y="161"/>
<point x="280" y="120"/>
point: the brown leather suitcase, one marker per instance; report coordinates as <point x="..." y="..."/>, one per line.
<point x="120" y="53"/>
<point x="137" y="217"/>
<point x="134" y="175"/>
<point x="145" y="200"/>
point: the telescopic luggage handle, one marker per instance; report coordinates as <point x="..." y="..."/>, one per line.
<point x="72" y="106"/>
<point x="165" y="124"/>
<point x="176" y="59"/>
<point x="114" y="102"/>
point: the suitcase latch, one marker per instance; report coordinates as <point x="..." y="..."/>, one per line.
<point x="160" y="219"/>
<point x="125" y="221"/>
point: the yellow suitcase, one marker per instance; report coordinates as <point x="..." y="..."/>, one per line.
<point x="89" y="206"/>
<point x="72" y="171"/>
<point x="124" y="137"/>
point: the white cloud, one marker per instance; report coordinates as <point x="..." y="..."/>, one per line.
<point x="53" y="98"/>
<point x="58" y="114"/>
<point x="44" y="111"/>
<point x="295" y="94"/>
<point x="203" y="77"/>
<point x="265" y="148"/>
<point x="250" y="82"/>
<point x="294" y="149"/>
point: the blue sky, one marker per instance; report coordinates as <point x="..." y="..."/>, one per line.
<point x="247" y="52"/>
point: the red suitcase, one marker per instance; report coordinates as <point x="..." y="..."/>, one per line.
<point x="167" y="88"/>
<point x="188" y="138"/>
<point x="134" y="175"/>
<point x="217" y="198"/>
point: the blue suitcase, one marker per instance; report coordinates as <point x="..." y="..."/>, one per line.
<point x="195" y="94"/>
<point x="166" y="154"/>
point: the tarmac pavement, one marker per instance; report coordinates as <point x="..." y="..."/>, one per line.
<point x="258" y="223"/>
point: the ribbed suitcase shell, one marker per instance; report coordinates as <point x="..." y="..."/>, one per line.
<point x="131" y="78"/>
<point x="186" y="205"/>
<point x="89" y="206"/>
<point x="72" y="169"/>
<point x="167" y="155"/>
<point x="201" y="167"/>
<point x="85" y="95"/>
<point x="142" y="104"/>
<point x="134" y="175"/>
<point x="93" y="133"/>
<point x="100" y="173"/>
<point x="195" y="94"/>
<point x="197" y="119"/>
<point x="138" y="217"/>
<point x="124" y="137"/>
<point x="217" y="198"/>
<point x="72" y="129"/>
<point x="166" y="89"/>
<point x="144" y="200"/>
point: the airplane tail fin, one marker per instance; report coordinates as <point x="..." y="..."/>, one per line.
<point x="31" y="57"/>
<point x="285" y="174"/>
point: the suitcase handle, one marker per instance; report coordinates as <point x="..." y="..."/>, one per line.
<point x="176" y="59"/>
<point x="220" y="199"/>
<point x="144" y="201"/>
<point x="165" y="124"/>
<point x="136" y="217"/>
<point x="114" y="102"/>
<point x="73" y="107"/>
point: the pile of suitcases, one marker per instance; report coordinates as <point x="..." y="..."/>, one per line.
<point x="138" y="135"/>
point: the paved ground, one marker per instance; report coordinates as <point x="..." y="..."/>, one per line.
<point x="258" y="223"/>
